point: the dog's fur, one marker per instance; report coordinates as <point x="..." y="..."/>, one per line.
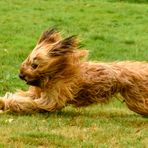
<point x="59" y="75"/>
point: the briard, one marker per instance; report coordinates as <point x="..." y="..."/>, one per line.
<point x="59" y="74"/>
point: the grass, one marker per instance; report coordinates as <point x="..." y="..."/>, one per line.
<point x="111" y="30"/>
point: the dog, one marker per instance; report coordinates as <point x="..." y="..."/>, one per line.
<point x="59" y="74"/>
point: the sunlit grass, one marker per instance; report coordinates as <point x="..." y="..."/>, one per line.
<point x="111" y="30"/>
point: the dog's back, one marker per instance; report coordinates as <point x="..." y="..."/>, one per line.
<point x="103" y="80"/>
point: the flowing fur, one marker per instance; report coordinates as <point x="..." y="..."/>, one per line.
<point x="59" y="75"/>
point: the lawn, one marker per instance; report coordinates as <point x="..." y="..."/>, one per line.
<point x="112" y="30"/>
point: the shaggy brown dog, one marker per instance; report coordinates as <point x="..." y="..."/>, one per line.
<point x="58" y="76"/>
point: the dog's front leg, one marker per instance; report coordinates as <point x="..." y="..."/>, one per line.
<point x="33" y="92"/>
<point x="19" y="104"/>
<point x="49" y="104"/>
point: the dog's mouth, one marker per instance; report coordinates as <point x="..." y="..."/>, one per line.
<point x="33" y="82"/>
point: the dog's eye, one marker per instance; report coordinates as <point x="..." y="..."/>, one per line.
<point x="34" y="66"/>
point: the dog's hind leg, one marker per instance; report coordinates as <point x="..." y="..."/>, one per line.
<point x="140" y="107"/>
<point x="136" y="101"/>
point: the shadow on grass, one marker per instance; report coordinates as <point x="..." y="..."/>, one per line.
<point x="85" y="112"/>
<point x="118" y="117"/>
<point x="97" y="114"/>
<point x="115" y="114"/>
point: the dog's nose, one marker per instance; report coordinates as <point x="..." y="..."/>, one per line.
<point x="21" y="76"/>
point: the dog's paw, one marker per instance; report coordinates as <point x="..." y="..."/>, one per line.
<point x="2" y="104"/>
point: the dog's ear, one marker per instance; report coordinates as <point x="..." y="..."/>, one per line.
<point x="49" y="36"/>
<point x="67" y="45"/>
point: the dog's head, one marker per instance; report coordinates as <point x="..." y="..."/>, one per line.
<point x="48" y="60"/>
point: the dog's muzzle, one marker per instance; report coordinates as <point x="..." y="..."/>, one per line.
<point x="21" y="76"/>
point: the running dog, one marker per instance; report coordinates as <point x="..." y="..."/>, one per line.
<point x="59" y="74"/>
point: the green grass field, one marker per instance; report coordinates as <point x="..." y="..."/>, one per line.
<point x="112" y="30"/>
